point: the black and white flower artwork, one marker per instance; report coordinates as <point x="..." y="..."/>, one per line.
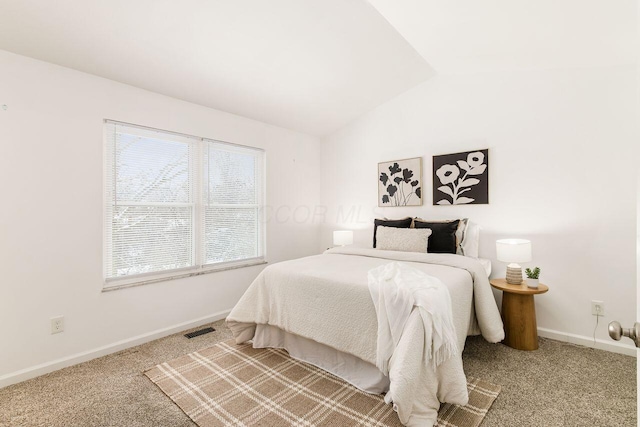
<point x="400" y="183"/>
<point x="461" y="178"/>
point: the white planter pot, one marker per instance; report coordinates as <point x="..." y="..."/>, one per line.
<point x="533" y="283"/>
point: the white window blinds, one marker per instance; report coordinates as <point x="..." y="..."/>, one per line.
<point x="232" y="195"/>
<point x="178" y="203"/>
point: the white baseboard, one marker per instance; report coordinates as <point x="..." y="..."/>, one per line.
<point x="54" y="365"/>
<point x="45" y="368"/>
<point x="611" y="345"/>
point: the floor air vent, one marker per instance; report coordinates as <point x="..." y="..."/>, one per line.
<point x="199" y="332"/>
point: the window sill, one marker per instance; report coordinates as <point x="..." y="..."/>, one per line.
<point x="130" y="283"/>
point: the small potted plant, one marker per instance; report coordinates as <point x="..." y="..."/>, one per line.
<point x="533" y="277"/>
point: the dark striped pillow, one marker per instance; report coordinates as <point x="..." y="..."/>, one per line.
<point x="443" y="235"/>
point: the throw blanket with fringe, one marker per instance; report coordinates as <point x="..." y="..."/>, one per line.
<point x="396" y="290"/>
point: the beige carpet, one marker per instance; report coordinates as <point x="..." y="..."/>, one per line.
<point x="558" y="385"/>
<point x="230" y="385"/>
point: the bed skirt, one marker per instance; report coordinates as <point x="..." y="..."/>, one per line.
<point x="361" y="374"/>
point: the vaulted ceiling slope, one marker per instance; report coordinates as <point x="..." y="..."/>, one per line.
<point x="313" y="65"/>
<point x="306" y="65"/>
<point x="471" y="36"/>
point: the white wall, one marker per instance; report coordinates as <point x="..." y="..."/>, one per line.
<point x="52" y="214"/>
<point x="562" y="159"/>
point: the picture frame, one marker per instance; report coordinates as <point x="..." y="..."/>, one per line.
<point x="461" y="178"/>
<point x="400" y="182"/>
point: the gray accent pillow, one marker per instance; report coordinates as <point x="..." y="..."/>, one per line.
<point x="403" y="239"/>
<point x="399" y="223"/>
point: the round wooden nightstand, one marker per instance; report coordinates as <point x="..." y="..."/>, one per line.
<point x="519" y="313"/>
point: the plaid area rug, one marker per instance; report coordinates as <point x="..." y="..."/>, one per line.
<point x="237" y="385"/>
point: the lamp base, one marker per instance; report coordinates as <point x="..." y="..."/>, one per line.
<point x="514" y="274"/>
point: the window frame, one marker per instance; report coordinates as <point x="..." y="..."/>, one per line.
<point x="197" y="170"/>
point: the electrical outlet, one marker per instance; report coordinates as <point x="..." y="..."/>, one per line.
<point x="57" y="324"/>
<point x="597" y="308"/>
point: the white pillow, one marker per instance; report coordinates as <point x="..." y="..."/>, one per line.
<point x="471" y="242"/>
<point x="462" y="227"/>
<point x="402" y="239"/>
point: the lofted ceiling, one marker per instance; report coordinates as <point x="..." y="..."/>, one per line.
<point x="471" y="36"/>
<point x="307" y="65"/>
<point x="313" y="65"/>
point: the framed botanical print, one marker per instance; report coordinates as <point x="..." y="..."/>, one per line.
<point x="461" y="178"/>
<point x="400" y="183"/>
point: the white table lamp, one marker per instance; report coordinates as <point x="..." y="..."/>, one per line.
<point x="342" y="238"/>
<point x="513" y="251"/>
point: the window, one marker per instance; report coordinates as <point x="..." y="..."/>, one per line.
<point x="179" y="205"/>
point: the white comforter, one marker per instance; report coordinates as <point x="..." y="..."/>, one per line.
<point x="326" y="298"/>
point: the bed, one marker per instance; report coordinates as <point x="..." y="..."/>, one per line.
<point x="320" y="310"/>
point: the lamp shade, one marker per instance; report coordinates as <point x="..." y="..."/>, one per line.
<point x="513" y="250"/>
<point x="342" y="237"/>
